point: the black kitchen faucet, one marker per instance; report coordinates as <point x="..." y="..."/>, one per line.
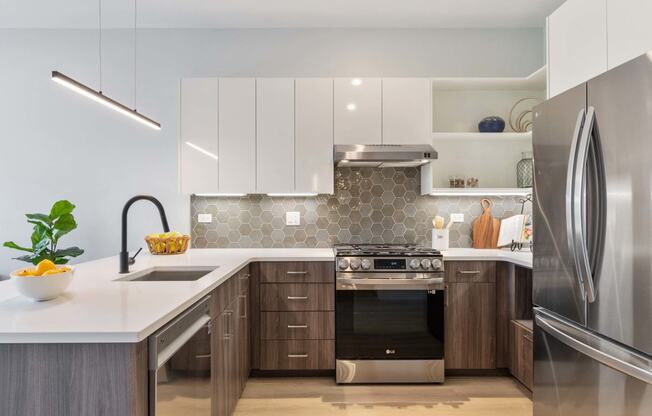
<point x="124" y="254"/>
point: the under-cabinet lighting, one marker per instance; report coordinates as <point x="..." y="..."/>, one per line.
<point x="97" y="96"/>
<point x="351" y="107"/>
<point x="471" y="193"/>
<point x="356" y="82"/>
<point x="231" y="195"/>
<point x="293" y="195"/>
<point x="202" y="150"/>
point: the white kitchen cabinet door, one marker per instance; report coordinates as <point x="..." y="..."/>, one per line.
<point x="198" y="147"/>
<point x="629" y="30"/>
<point x="577" y="43"/>
<point x="357" y="111"/>
<point x="314" y="135"/>
<point x="275" y="135"/>
<point x="237" y="135"/>
<point x="407" y="115"/>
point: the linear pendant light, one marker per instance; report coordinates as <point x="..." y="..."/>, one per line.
<point x="97" y="96"/>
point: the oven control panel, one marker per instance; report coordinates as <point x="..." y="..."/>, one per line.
<point x="389" y="264"/>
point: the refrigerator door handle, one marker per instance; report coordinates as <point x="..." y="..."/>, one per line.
<point x="596" y="347"/>
<point x="571" y="185"/>
<point x="582" y="262"/>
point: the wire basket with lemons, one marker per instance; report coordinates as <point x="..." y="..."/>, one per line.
<point x="167" y="243"/>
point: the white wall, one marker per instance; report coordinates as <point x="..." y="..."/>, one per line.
<point x="56" y="144"/>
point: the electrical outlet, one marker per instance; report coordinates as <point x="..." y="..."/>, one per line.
<point x="457" y="217"/>
<point x="203" y="218"/>
<point x="292" y="218"/>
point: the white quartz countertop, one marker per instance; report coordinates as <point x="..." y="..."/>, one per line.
<point x="97" y="308"/>
<point x="520" y="258"/>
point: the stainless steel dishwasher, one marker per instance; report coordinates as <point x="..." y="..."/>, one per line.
<point x="180" y="364"/>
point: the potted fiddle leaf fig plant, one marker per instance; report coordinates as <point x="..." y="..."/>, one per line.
<point x="46" y="232"/>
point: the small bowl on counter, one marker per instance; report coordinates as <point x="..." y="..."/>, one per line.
<point x="43" y="287"/>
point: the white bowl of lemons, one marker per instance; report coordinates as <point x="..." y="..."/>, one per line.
<point x="44" y="282"/>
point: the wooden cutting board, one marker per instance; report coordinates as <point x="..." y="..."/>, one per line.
<point x="486" y="228"/>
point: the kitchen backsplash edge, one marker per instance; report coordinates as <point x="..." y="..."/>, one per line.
<point x="369" y="206"/>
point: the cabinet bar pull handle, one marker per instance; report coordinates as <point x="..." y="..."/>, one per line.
<point x="297" y="297"/>
<point x="244" y="298"/>
<point x="203" y="356"/>
<point x="297" y="272"/>
<point x="469" y="272"/>
<point x="297" y="326"/>
<point x="297" y="355"/>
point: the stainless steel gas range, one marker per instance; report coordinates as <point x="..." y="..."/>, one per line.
<point x="389" y="308"/>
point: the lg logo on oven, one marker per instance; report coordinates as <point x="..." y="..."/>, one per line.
<point x="390" y="352"/>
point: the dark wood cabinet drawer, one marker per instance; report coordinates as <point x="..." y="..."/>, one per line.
<point x="470" y="271"/>
<point x="297" y="272"/>
<point x="297" y="297"/>
<point x="298" y="355"/>
<point x="297" y="325"/>
<point x="522" y="352"/>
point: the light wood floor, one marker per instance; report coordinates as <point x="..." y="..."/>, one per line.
<point x="477" y="396"/>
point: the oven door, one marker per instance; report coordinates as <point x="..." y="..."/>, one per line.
<point x="389" y="320"/>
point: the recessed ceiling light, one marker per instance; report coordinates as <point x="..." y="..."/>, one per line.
<point x="356" y="82"/>
<point x="351" y="106"/>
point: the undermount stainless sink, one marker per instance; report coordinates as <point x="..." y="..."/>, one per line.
<point x="168" y="275"/>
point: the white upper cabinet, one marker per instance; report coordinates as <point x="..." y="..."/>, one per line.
<point x="357" y="111"/>
<point x="314" y="135"/>
<point x="237" y="135"/>
<point x="407" y="115"/>
<point x="630" y="31"/>
<point x="198" y="149"/>
<point x="577" y="43"/>
<point x="275" y="135"/>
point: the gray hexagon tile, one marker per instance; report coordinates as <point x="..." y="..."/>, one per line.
<point x="369" y="206"/>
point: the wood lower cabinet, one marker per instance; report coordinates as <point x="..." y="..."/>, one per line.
<point x="470" y="316"/>
<point x="522" y="362"/>
<point x="230" y="345"/>
<point x="294" y="316"/>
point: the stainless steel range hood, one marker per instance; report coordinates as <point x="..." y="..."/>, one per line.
<point x="384" y="155"/>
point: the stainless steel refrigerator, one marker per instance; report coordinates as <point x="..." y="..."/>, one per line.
<point x="592" y="278"/>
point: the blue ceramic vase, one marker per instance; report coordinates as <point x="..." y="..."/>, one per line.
<point x="493" y="124"/>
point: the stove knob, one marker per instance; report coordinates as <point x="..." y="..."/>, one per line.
<point x="425" y="263"/>
<point x="366" y="264"/>
<point x="342" y="264"/>
<point x="437" y="264"/>
<point x="355" y="264"/>
<point x="414" y="264"/>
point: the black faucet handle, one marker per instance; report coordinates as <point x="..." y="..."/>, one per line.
<point x="132" y="259"/>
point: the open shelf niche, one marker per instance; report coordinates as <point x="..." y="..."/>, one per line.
<point x="458" y="106"/>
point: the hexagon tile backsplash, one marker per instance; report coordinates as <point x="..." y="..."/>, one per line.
<point x="369" y="206"/>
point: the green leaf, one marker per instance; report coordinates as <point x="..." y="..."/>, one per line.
<point x="40" y="232"/>
<point x="65" y="223"/>
<point x="39" y="217"/>
<point x="61" y="208"/>
<point x="69" y="252"/>
<point x="11" y="244"/>
<point x="60" y="260"/>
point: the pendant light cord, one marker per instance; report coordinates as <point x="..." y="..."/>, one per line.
<point x="135" y="46"/>
<point x="99" y="10"/>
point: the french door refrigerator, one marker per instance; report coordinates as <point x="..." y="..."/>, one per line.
<point x="592" y="277"/>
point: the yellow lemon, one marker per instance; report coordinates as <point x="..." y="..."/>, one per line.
<point x="26" y="272"/>
<point x="52" y="271"/>
<point x="44" y="266"/>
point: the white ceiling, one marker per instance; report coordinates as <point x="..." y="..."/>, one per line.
<point x="278" y="13"/>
